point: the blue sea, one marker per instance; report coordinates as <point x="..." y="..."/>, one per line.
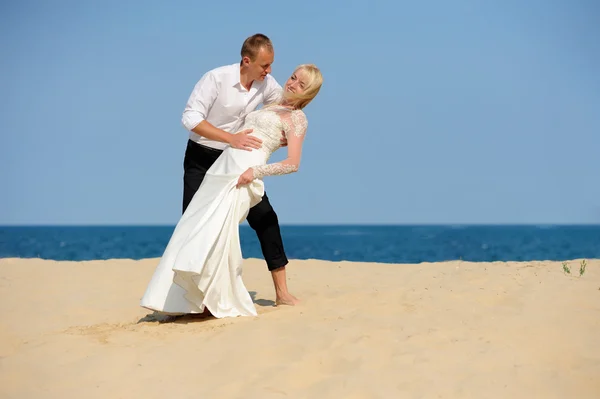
<point x="387" y="244"/>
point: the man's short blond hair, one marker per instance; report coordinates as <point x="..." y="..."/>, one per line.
<point x="253" y="44"/>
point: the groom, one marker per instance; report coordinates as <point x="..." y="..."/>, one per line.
<point x="215" y="109"/>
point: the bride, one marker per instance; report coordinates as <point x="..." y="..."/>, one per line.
<point x="201" y="267"/>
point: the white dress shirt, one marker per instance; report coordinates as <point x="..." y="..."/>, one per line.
<point x="220" y="99"/>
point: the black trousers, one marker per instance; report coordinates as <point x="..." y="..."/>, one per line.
<point x="261" y="217"/>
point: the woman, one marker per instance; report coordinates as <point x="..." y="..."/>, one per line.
<point x="201" y="267"/>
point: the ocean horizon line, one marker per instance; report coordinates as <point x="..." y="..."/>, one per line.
<point x="389" y="243"/>
<point x="479" y="224"/>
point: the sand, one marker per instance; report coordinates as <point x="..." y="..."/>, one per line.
<point x="429" y="330"/>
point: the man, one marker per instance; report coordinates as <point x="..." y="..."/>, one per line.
<point x="217" y="107"/>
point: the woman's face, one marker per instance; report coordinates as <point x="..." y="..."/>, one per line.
<point x="297" y="82"/>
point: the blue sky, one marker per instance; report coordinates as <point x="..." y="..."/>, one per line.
<point x="431" y="112"/>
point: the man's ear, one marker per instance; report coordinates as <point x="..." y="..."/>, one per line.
<point x="245" y="60"/>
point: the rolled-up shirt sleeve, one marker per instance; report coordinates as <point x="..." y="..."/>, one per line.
<point x="201" y="100"/>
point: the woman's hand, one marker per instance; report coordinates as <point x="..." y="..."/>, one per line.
<point x="245" y="177"/>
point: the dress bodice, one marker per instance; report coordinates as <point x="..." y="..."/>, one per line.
<point x="269" y="122"/>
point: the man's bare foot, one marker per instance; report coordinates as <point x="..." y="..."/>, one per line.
<point x="282" y="295"/>
<point x="287" y="299"/>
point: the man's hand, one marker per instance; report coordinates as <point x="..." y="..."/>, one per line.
<point x="283" y="139"/>
<point x="242" y="141"/>
<point x="245" y="177"/>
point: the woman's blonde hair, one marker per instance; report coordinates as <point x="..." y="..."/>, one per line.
<point x="313" y="85"/>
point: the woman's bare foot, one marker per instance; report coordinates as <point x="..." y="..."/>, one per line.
<point x="287" y="299"/>
<point x="205" y="313"/>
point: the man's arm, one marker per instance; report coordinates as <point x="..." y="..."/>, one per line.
<point x="201" y="100"/>
<point x="196" y="110"/>
<point x="273" y="92"/>
<point x="205" y="129"/>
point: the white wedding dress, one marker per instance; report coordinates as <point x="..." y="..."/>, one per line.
<point x="202" y="263"/>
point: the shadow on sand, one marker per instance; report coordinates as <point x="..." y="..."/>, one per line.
<point x="192" y="318"/>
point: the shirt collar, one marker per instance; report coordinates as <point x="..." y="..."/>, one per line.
<point x="237" y="82"/>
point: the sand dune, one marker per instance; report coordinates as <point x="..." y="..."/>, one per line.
<point x="430" y="330"/>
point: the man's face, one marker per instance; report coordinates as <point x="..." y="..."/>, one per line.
<point x="261" y="66"/>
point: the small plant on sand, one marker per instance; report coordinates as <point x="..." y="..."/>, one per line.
<point x="582" y="267"/>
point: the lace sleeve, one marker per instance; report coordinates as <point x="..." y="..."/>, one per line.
<point x="294" y="126"/>
<point x="295" y="123"/>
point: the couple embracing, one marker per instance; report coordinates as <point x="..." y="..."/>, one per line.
<point x="201" y="268"/>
